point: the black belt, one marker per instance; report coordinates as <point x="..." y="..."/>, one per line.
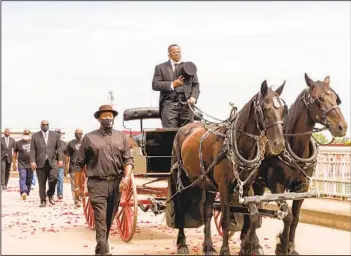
<point x="106" y="177"/>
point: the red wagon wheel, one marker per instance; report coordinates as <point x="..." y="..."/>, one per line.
<point x="88" y="209"/>
<point x="127" y="214"/>
<point x="218" y="221"/>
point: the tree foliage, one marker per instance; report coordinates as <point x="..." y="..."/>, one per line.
<point x="320" y="137"/>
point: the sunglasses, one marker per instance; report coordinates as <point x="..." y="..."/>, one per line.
<point x="78" y="133"/>
<point x="44" y="124"/>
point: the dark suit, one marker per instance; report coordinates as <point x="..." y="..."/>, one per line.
<point x="46" y="167"/>
<point x="6" y="160"/>
<point x="173" y="113"/>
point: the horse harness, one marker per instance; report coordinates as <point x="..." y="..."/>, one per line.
<point x="291" y="159"/>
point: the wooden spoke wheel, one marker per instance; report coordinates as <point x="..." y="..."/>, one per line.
<point x="127" y="214"/>
<point x="88" y="209"/>
<point x="218" y="221"/>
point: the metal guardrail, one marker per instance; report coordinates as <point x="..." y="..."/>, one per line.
<point x="333" y="172"/>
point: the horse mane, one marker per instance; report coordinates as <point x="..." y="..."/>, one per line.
<point x="245" y="112"/>
<point x="295" y="112"/>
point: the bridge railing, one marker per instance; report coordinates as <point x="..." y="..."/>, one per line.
<point x="333" y="173"/>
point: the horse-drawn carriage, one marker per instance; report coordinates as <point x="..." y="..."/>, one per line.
<point x="153" y="150"/>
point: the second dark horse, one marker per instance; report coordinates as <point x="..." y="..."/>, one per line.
<point x="292" y="170"/>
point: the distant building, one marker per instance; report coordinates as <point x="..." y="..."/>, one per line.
<point x="17" y="133"/>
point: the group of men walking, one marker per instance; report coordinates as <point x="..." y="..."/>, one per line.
<point x="44" y="154"/>
<point x="103" y="154"/>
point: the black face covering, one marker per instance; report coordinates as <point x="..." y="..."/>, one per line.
<point x="78" y="136"/>
<point x="44" y="128"/>
<point x="107" y="124"/>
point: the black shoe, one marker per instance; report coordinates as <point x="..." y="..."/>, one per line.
<point x="51" y="200"/>
<point x="42" y="204"/>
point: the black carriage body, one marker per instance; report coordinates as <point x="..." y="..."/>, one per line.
<point x="152" y="148"/>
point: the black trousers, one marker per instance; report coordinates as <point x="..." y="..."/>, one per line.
<point x="46" y="174"/>
<point x="5" y="172"/>
<point x="104" y="197"/>
<point x="175" y="114"/>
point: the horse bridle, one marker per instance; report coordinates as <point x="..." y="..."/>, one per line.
<point x="260" y="118"/>
<point x="310" y="101"/>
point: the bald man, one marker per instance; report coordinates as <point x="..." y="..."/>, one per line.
<point x="71" y="155"/>
<point x="45" y="156"/>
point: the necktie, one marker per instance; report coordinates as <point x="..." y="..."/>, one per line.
<point x="46" y="142"/>
<point x="7" y="141"/>
<point x="176" y="70"/>
<point x="45" y="138"/>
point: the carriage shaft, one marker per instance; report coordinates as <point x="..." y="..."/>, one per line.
<point x="278" y="197"/>
<point x="245" y="210"/>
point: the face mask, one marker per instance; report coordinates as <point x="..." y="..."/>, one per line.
<point x="45" y="128"/>
<point x="25" y="137"/>
<point x="106" y="123"/>
<point x="78" y="137"/>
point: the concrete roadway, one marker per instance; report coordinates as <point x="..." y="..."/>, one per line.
<point x="60" y="229"/>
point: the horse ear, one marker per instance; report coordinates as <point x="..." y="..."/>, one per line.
<point x="280" y="89"/>
<point x="327" y="80"/>
<point x="309" y="82"/>
<point x="264" y="87"/>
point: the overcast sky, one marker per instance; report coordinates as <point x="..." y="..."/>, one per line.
<point x="60" y="59"/>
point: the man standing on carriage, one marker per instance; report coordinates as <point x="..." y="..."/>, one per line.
<point x="107" y="155"/>
<point x="178" y="85"/>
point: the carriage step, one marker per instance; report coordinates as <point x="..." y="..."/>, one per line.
<point x="157" y="207"/>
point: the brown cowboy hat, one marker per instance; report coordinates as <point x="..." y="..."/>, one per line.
<point x="105" y="108"/>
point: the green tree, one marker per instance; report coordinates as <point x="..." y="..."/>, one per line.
<point x="320" y="137"/>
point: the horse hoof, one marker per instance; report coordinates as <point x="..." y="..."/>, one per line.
<point x="210" y="251"/>
<point x="252" y="251"/>
<point x="183" y="249"/>
<point x="225" y="251"/>
<point x="279" y="250"/>
<point x="294" y="253"/>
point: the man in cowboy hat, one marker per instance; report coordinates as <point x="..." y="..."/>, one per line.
<point x="21" y="152"/>
<point x="107" y="155"/>
<point x="176" y="88"/>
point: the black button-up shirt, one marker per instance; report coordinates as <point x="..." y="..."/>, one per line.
<point x="104" y="154"/>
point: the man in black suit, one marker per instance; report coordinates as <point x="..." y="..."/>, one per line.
<point x="45" y="151"/>
<point x="175" y="92"/>
<point x="7" y="145"/>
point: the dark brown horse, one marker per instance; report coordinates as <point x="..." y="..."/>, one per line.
<point x="292" y="170"/>
<point x="221" y="158"/>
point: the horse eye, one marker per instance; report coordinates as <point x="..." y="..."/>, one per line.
<point x="321" y="99"/>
